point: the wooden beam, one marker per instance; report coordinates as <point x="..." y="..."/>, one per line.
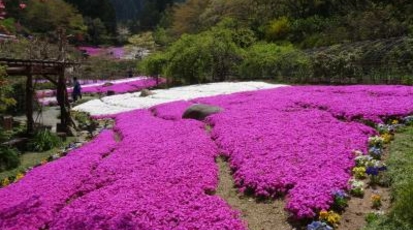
<point x="12" y="71"/>
<point x="50" y="79"/>
<point x="35" y="62"/>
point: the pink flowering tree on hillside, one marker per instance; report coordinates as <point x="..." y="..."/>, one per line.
<point x="2" y="9"/>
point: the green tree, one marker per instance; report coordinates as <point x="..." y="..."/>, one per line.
<point x="153" y="65"/>
<point x="98" y="9"/>
<point x="45" y="18"/>
<point x="5" y="91"/>
<point x="210" y="55"/>
<point x="277" y="29"/>
<point x="96" y="31"/>
<point x="143" y="40"/>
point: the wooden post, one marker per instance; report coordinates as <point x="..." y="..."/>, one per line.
<point x="63" y="101"/>
<point x="29" y="103"/>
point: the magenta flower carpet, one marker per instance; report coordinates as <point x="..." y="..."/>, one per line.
<point x="121" y="87"/>
<point x="161" y="173"/>
<point x="48" y="97"/>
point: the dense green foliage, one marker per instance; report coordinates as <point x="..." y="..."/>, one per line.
<point x="400" y="167"/>
<point x="9" y="158"/>
<point x="5" y="90"/>
<point x="267" y="60"/>
<point x="303" y="23"/>
<point x="221" y="53"/>
<point x="141" y="15"/>
<point x="103" y="68"/>
<point x="324" y="41"/>
<point x="42" y="17"/>
<point x="210" y="55"/>
<point x="97" y="9"/>
<point x="43" y="140"/>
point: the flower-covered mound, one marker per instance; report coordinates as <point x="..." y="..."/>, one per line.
<point x="160" y="174"/>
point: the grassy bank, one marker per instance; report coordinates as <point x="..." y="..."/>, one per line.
<point x="30" y="159"/>
<point x="400" y="165"/>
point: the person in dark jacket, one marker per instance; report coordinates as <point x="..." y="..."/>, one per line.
<point x="77" y="90"/>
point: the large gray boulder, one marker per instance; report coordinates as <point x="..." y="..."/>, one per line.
<point x="200" y="111"/>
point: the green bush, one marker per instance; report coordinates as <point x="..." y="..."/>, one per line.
<point x="210" y="55"/>
<point x="277" y="29"/>
<point x="44" y="140"/>
<point x="9" y="158"/>
<point x="153" y="65"/>
<point x="268" y="60"/>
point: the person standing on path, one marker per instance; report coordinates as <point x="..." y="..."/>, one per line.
<point x="77" y="90"/>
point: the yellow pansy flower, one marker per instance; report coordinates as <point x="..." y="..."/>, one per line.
<point x="387" y="138"/>
<point x="333" y="218"/>
<point x="5" y="182"/>
<point x="18" y="177"/>
<point x="375" y="198"/>
<point x="323" y="214"/>
<point x="359" y="172"/>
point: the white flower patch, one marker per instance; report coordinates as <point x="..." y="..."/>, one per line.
<point x="131" y="101"/>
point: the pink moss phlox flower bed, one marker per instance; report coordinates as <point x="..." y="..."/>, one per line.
<point x="360" y="102"/>
<point x="296" y="141"/>
<point x="47" y="97"/>
<point x="122" y="87"/>
<point x="171" y="111"/>
<point x="292" y="140"/>
<point x="157" y="178"/>
<point x="45" y="190"/>
<point x="92" y="51"/>
<point x="115" y="52"/>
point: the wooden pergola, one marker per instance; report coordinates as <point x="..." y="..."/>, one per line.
<point x="51" y="70"/>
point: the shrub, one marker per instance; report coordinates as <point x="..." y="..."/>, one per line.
<point x="267" y="60"/>
<point x="9" y="158"/>
<point x="44" y="140"/>
<point x="277" y="29"/>
<point x="153" y="65"/>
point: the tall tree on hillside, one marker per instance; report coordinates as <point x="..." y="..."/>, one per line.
<point x="102" y="9"/>
<point x="127" y="10"/>
<point x="96" y="31"/>
<point x="152" y="12"/>
<point x="44" y="18"/>
<point x="186" y="16"/>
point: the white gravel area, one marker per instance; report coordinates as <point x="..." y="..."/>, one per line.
<point x="131" y="101"/>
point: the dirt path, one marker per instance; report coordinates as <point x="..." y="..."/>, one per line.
<point x="266" y="215"/>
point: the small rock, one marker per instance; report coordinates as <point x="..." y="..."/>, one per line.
<point x="146" y="92"/>
<point x="107" y="84"/>
<point x="200" y="111"/>
<point x="110" y="93"/>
